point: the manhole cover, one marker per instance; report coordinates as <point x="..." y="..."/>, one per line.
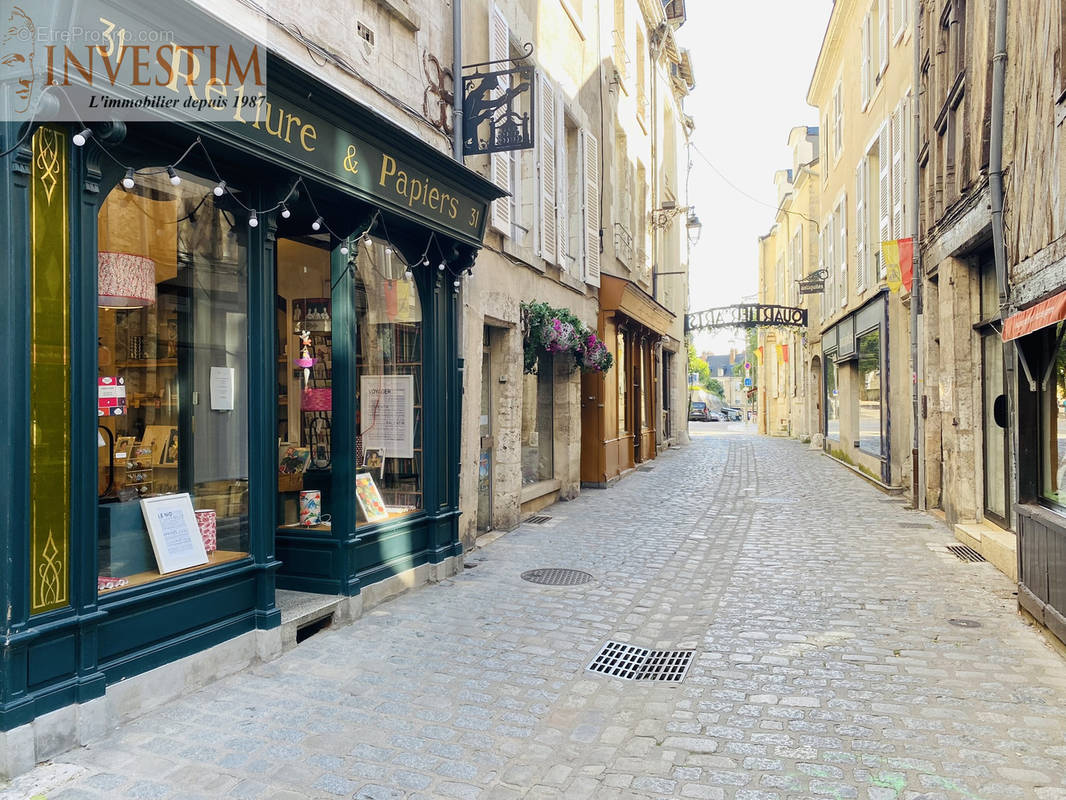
<point x="964" y="553"/>
<point x="631" y="663"/>
<point x="964" y="623"/>
<point x="556" y="577"/>
<point x="538" y="519"/>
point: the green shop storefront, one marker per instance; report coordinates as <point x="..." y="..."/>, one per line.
<point x="252" y="321"/>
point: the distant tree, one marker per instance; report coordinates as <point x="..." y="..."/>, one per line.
<point x="698" y="365"/>
<point x="714" y="386"/>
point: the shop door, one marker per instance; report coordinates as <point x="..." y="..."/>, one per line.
<point x="994" y="397"/>
<point x="484" y="470"/>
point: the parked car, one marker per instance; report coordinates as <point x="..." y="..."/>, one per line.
<point x="715" y="416"/>
<point x="732" y="414"/>
<point x="699" y="411"/>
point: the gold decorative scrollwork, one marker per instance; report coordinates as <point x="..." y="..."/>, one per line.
<point x="49" y="576"/>
<point x="47" y="160"/>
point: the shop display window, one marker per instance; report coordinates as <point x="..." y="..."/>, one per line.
<point x="304" y="312"/>
<point x="869" y="394"/>
<point x="389" y="410"/>
<point x="1053" y="430"/>
<point x="172" y="372"/>
<point x="832" y="399"/>
<point x="538" y="402"/>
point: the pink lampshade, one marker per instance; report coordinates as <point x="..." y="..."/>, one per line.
<point x="125" y="280"/>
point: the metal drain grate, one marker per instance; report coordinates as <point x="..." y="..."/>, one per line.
<point x="553" y="576"/>
<point x="631" y="663"/>
<point x="538" y="519"/>
<point x="965" y="553"/>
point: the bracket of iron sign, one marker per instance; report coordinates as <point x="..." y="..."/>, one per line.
<point x="528" y="47"/>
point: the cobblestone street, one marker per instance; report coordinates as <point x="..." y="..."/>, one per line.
<point x="829" y="663"/>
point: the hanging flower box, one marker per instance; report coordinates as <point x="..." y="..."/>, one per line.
<point x="557" y="331"/>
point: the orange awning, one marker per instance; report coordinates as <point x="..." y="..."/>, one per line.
<point x="1032" y="319"/>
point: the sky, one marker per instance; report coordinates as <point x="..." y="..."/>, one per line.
<point x="751" y="90"/>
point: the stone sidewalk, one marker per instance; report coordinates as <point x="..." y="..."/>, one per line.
<point x="829" y="663"/>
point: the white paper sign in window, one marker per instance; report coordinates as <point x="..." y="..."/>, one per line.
<point x="387" y="413"/>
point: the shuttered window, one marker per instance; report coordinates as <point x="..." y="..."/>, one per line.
<point x="562" y="189"/>
<point x="500" y="163"/>
<point x="866" y="76"/>
<point x="860" y="226"/>
<point x="899" y="126"/>
<point x="842" y="252"/>
<point x="590" y="158"/>
<point x="546" y="210"/>
<point x="884" y="194"/>
<point x="838" y="120"/>
<point x="883" y="35"/>
<point x="832" y="236"/>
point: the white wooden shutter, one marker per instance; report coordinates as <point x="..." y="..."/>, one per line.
<point x="838" y="120"/>
<point x="865" y="77"/>
<point x="822" y="264"/>
<point x="884" y="205"/>
<point x="860" y="226"/>
<point x="546" y="177"/>
<point x="499" y="163"/>
<point x="590" y="195"/>
<point x="831" y="238"/>
<point x="884" y="34"/>
<point x="899" y="15"/>
<point x="562" y="188"/>
<point x="842" y="215"/>
<point x="897" y="173"/>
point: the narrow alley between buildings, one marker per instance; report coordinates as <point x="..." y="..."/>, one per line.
<point x="839" y="650"/>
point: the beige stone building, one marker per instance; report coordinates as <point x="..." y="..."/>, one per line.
<point x="862" y="88"/>
<point x="580" y="232"/>
<point x="789" y="371"/>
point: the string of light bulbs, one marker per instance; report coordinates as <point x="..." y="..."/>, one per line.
<point x="222" y="189"/>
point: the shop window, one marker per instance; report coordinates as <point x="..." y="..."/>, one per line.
<point x="538" y="400"/>
<point x="620" y="377"/>
<point x="1053" y="431"/>
<point x="305" y="381"/>
<point x="172" y="369"/>
<point x="389" y="387"/>
<point x="869" y="393"/>
<point x="832" y="398"/>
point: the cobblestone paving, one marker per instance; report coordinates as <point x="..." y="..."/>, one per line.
<point x="826" y="666"/>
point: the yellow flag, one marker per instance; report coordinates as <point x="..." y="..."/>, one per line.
<point x="890" y="255"/>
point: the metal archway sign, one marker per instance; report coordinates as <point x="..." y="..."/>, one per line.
<point x="746" y="315"/>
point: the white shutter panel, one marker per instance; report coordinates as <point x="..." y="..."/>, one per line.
<point x="822" y="265"/>
<point x="860" y="226"/>
<point x="898" y="14"/>
<point x="884" y="205"/>
<point x="897" y="173"/>
<point x="590" y="159"/>
<point x="842" y="214"/>
<point x="884" y="34"/>
<point x="499" y="163"/>
<point x="830" y="262"/>
<point x="562" y="187"/>
<point x="546" y="190"/>
<point x="865" y="77"/>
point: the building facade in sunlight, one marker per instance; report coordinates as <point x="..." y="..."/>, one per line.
<point x="789" y="382"/>
<point x="594" y="231"/>
<point x="862" y="89"/>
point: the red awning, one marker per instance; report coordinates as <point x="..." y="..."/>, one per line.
<point x="1032" y="319"/>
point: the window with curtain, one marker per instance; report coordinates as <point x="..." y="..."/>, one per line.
<point x="869" y="394"/>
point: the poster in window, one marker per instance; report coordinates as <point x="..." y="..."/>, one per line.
<point x="387" y="414"/>
<point x="370" y="502"/>
<point x="172" y="529"/>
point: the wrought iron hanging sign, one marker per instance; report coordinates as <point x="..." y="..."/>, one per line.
<point x="813" y="283"/>
<point x="498" y="107"/>
<point x="746" y="315"/>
